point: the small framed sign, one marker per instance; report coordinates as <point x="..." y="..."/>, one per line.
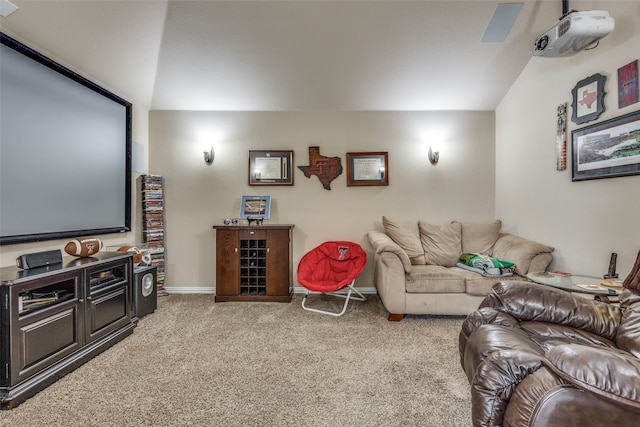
<point x="367" y="168"/>
<point x="628" y="84"/>
<point x="255" y="207"/>
<point x="588" y="99"/>
<point x="270" y="167"/>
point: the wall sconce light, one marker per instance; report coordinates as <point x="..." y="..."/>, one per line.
<point x="208" y="155"/>
<point x="434" y="154"/>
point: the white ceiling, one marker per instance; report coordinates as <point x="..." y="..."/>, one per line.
<point x="289" y="55"/>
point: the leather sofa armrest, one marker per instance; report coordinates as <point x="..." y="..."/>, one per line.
<point x="480" y="317"/>
<point x="383" y="243"/>
<point x="610" y="374"/>
<point x="534" y="302"/>
<point x="526" y="254"/>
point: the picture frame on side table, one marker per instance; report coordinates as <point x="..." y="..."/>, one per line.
<point x="588" y="99"/>
<point x="255" y="207"/>
<point x="607" y="149"/>
<point x="368" y="169"/>
<point x="273" y="167"/>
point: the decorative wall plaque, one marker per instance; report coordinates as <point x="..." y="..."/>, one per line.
<point x="561" y="138"/>
<point x="588" y="99"/>
<point x="325" y="168"/>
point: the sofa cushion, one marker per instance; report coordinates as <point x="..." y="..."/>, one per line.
<point x="519" y="251"/>
<point x="434" y="279"/>
<point x="442" y="243"/>
<point x="479" y="285"/>
<point x="406" y="234"/>
<point x="608" y="373"/>
<point x="479" y="237"/>
<point x="628" y="334"/>
<point x="548" y="335"/>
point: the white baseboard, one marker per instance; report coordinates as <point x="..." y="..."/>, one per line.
<point x="189" y="290"/>
<point x="210" y="290"/>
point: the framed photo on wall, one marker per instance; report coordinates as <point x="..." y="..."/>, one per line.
<point x="271" y="167"/>
<point x="367" y="168"/>
<point x="588" y="99"/>
<point x="607" y="149"/>
<point x="628" y="91"/>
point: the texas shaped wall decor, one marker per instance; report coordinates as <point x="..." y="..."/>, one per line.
<point x="325" y="168"/>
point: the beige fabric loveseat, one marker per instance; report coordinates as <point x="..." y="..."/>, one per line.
<point x="415" y="268"/>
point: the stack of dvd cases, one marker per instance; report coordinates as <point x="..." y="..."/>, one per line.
<point x="153" y="224"/>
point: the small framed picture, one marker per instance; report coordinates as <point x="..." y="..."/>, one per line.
<point x="367" y="168"/>
<point x="561" y="137"/>
<point x="588" y="99"/>
<point x="270" y="167"/>
<point x="607" y="149"/>
<point x="255" y="207"/>
<point x="628" y="84"/>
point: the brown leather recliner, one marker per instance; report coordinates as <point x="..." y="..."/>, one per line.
<point x="539" y="356"/>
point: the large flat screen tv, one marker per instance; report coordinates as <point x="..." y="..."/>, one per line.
<point x="65" y="151"/>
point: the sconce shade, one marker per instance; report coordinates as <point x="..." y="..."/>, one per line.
<point x="434" y="155"/>
<point x="208" y="155"/>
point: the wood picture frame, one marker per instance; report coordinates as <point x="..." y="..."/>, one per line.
<point x="270" y="167"/>
<point x="368" y="169"/>
<point x="607" y="149"/>
<point x="588" y="99"/>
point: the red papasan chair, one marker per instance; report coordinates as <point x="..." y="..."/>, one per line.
<point x="329" y="269"/>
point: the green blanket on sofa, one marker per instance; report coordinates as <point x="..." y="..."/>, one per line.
<point x="486" y="265"/>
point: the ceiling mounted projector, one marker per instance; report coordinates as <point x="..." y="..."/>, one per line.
<point x="573" y="33"/>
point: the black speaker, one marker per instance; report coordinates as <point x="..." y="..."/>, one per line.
<point x="145" y="290"/>
<point x="39" y="259"/>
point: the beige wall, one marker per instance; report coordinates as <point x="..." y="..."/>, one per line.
<point x="199" y="196"/>
<point x="586" y="220"/>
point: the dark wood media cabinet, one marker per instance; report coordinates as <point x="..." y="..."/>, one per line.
<point x="53" y="319"/>
<point x="253" y="263"/>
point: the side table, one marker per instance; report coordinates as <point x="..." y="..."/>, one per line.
<point x="577" y="283"/>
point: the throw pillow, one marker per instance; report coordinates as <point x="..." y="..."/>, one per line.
<point x="480" y="237"/>
<point x="406" y="235"/>
<point x="519" y="251"/>
<point x="442" y="244"/>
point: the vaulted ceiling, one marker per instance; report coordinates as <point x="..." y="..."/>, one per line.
<point x="289" y="55"/>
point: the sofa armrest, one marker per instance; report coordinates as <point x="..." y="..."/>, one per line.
<point x="383" y="243"/>
<point x="528" y="256"/>
<point x="534" y="302"/>
<point x="609" y="374"/>
<point x="480" y="317"/>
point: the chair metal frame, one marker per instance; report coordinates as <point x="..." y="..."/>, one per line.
<point x="340" y="294"/>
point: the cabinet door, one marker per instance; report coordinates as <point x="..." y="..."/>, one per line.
<point x="46" y="323"/>
<point x="108" y="301"/>
<point x="227" y="262"/>
<point x="278" y="263"/>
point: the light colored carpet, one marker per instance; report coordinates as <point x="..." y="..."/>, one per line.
<point x="198" y="363"/>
